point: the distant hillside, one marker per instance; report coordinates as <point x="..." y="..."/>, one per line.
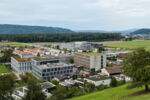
<point x="105" y="31"/>
<point x="141" y="31"/>
<point x="24" y="29"/>
<point x="92" y="31"/>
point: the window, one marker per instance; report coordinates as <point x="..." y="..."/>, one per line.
<point x="47" y="74"/>
<point x="48" y="70"/>
<point x="51" y="73"/>
<point x="44" y="70"/>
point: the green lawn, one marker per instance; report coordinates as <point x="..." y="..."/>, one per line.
<point x="115" y="94"/>
<point x="3" y="69"/>
<point x="130" y="44"/>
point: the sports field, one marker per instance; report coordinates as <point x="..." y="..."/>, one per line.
<point x="130" y="44"/>
<point x="3" y="69"/>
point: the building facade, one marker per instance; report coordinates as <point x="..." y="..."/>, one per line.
<point x="90" y="60"/>
<point x="21" y="64"/>
<point x="50" y="70"/>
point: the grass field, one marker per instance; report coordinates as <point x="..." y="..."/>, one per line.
<point x="13" y="44"/>
<point x="118" y="93"/>
<point x="130" y="44"/>
<point x="3" y="69"/>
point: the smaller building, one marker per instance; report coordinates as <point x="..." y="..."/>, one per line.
<point x="67" y="83"/>
<point x="23" y="54"/>
<point x="112" y="71"/>
<point x="19" y="93"/>
<point x="34" y="52"/>
<point x="98" y="80"/>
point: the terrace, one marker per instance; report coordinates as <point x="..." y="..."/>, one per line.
<point x="19" y="59"/>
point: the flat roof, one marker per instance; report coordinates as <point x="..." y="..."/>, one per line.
<point x="44" y="58"/>
<point x="47" y="85"/>
<point x="19" y="59"/>
<point x="98" y="78"/>
<point x="53" y="65"/>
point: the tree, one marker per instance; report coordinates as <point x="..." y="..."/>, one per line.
<point x="7" y="55"/>
<point x="71" y="60"/>
<point x="55" y="82"/>
<point x="34" y="91"/>
<point x="38" y="55"/>
<point x="113" y="82"/>
<point x="89" y="87"/>
<point x="100" y="49"/>
<point x="7" y="83"/>
<point x="24" y="78"/>
<point x="59" y="93"/>
<point x="137" y="67"/>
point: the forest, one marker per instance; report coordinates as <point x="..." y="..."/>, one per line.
<point x="61" y="37"/>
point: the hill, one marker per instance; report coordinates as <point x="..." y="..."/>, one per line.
<point x="118" y="93"/>
<point x="141" y="31"/>
<point x="104" y="31"/>
<point x="24" y="29"/>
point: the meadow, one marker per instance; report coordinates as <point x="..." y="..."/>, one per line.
<point x="117" y="93"/>
<point x="3" y="69"/>
<point x="129" y="44"/>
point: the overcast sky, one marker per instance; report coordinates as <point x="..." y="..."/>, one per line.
<point x="77" y="14"/>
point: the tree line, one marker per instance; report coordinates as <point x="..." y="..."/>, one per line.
<point x="61" y="37"/>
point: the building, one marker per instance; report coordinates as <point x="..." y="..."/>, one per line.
<point x="94" y="61"/>
<point x="21" y="64"/>
<point x="19" y="93"/>
<point x="34" y="52"/>
<point x="26" y="64"/>
<point x="100" y="80"/>
<point x="116" y="72"/>
<point x="87" y="46"/>
<point x="45" y="60"/>
<point x="48" y="68"/>
<point x="23" y="54"/>
<point x="112" y="71"/>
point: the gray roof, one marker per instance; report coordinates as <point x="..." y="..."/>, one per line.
<point x="47" y="85"/>
<point x="54" y="65"/>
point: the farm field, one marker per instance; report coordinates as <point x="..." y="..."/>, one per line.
<point x="3" y="69"/>
<point x="118" y="93"/>
<point x="130" y="44"/>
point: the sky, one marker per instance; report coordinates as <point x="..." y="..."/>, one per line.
<point x="77" y="14"/>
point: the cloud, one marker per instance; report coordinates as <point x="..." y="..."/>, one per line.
<point x="77" y="14"/>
